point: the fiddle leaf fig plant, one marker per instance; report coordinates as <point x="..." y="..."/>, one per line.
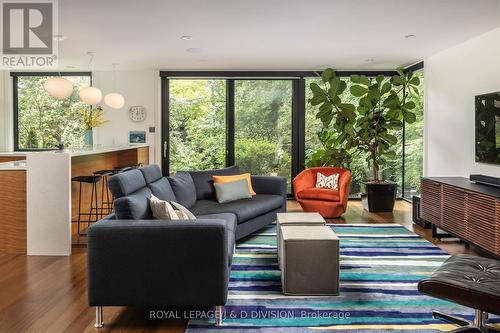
<point x="369" y="126"/>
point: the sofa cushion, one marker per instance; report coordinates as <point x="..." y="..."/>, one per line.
<point x="319" y="194"/>
<point x="204" y="183"/>
<point x="230" y="219"/>
<point x="183" y="187"/>
<point x="134" y="206"/>
<point x="126" y="183"/>
<point x="162" y="189"/>
<point x="244" y="209"/>
<point x="151" y="173"/>
<point x="158" y="184"/>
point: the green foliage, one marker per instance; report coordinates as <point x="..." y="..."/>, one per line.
<point x="93" y="117"/>
<point x="45" y="121"/>
<point x="262" y="125"/>
<point x="370" y="125"/>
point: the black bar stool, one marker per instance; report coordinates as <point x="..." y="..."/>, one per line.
<point x="93" y="199"/>
<point x="106" y="203"/>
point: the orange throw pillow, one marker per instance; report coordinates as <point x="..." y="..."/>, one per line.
<point x="226" y="179"/>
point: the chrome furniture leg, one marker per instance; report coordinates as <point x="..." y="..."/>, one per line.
<point x="98" y="317"/>
<point x="218" y="315"/>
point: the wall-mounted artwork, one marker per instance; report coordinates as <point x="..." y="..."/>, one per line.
<point x="137" y="136"/>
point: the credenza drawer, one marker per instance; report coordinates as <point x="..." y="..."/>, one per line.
<point x="454" y="210"/>
<point x="430" y="204"/>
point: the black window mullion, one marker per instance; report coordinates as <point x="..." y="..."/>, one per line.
<point x="230" y="122"/>
<point x="165" y="126"/>
<point x="298" y="126"/>
<point x="15" y="96"/>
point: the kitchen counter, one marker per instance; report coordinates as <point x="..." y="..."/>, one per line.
<point x="43" y="179"/>
<point x="13" y="165"/>
<point x="79" y="152"/>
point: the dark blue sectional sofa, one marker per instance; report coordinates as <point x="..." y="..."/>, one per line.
<point x="134" y="260"/>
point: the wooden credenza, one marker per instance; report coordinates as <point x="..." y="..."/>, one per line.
<point x="464" y="209"/>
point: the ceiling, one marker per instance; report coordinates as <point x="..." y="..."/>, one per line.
<point x="266" y="34"/>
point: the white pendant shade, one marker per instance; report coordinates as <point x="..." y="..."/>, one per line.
<point x="114" y="100"/>
<point x="58" y="87"/>
<point x="90" y="95"/>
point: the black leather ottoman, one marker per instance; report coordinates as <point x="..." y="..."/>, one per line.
<point x="470" y="281"/>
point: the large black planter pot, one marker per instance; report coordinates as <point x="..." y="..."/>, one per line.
<point x="379" y="197"/>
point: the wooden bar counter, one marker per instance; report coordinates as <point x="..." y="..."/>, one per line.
<point x="44" y="227"/>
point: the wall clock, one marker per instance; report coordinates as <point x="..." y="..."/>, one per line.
<point x="137" y="113"/>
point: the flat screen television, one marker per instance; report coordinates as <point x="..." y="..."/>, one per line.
<point x="488" y="128"/>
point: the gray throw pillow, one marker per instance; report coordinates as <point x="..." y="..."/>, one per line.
<point x="183" y="209"/>
<point x="232" y="191"/>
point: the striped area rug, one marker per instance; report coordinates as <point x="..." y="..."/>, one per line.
<point x="380" y="266"/>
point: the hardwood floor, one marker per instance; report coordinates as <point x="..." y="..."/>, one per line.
<point x="48" y="294"/>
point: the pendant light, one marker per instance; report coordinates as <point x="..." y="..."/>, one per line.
<point x="58" y="87"/>
<point x="114" y="100"/>
<point x="90" y="95"/>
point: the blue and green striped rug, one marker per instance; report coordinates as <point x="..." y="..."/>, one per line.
<point x="380" y="266"/>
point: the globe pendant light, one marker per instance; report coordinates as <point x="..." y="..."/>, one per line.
<point x="58" y="87"/>
<point x="114" y="100"/>
<point x="90" y="95"/>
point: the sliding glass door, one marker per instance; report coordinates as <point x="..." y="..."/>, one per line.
<point x="263" y="127"/>
<point x="197" y="126"/>
<point x="262" y="122"/>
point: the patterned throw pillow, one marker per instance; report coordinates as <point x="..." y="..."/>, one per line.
<point x="331" y="182"/>
<point x="162" y="210"/>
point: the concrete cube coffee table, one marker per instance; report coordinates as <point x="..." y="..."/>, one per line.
<point x="309" y="260"/>
<point x="289" y="219"/>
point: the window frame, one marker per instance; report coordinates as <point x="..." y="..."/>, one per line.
<point x="298" y="79"/>
<point x="15" y="102"/>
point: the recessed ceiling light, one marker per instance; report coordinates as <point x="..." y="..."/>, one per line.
<point x="186" y="37"/>
<point x="410" y="36"/>
<point x="194" y="50"/>
<point x="59" y="38"/>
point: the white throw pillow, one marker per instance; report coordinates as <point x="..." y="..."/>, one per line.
<point x="331" y="182"/>
<point x="162" y="210"/>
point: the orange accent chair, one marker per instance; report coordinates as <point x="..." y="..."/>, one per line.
<point x="327" y="202"/>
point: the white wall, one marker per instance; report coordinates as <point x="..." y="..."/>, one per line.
<point x="138" y="88"/>
<point x="452" y="78"/>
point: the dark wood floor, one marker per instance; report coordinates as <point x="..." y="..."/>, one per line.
<point x="48" y="294"/>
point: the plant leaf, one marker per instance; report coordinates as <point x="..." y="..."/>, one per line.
<point x="358" y="90"/>
<point x="327" y="75"/>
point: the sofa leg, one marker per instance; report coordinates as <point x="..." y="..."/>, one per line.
<point x="218" y="315"/>
<point x="98" y="317"/>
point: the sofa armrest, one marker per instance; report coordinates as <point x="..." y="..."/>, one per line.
<point x="158" y="263"/>
<point x="269" y="185"/>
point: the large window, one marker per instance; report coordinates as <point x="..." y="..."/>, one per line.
<point x="41" y="121"/>
<point x="263" y="127"/>
<point x="262" y="122"/>
<point x="414" y="146"/>
<point x="197" y="124"/>
<point x="407" y="178"/>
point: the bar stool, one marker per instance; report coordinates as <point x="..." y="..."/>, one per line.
<point x="106" y="203"/>
<point x="94" y="179"/>
<point x="125" y="168"/>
